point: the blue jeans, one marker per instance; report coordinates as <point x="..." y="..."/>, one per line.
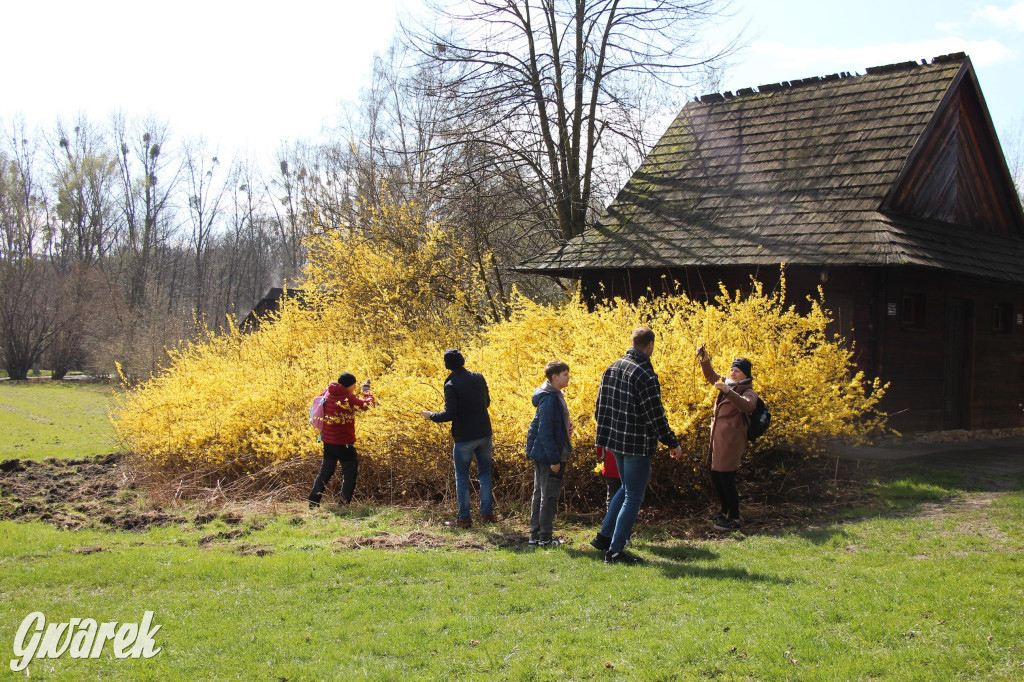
<point x="463" y="454"/>
<point x="635" y="472"/>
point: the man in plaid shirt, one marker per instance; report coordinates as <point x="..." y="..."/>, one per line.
<point x="630" y="422"/>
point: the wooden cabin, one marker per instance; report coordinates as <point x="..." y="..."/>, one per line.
<point x="889" y="190"/>
<point x="270" y="303"/>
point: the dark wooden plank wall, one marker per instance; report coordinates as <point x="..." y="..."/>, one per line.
<point x="911" y="357"/>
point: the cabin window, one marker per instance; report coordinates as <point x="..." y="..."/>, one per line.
<point x="1002" y="318"/>
<point x="912" y="310"/>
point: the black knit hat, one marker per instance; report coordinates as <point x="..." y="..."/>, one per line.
<point x="453" y="359"/>
<point x="743" y="365"/>
<point x="347" y="379"/>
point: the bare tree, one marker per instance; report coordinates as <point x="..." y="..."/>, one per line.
<point x="205" y="195"/>
<point x="83" y="233"/>
<point x="546" y="83"/>
<point x="143" y="168"/>
<point x="245" y="253"/>
<point x="84" y="173"/>
<point x="292" y="187"/>
<point x="30" y="313"/>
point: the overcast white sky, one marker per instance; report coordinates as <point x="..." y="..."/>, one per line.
<point x="250" y="74"/>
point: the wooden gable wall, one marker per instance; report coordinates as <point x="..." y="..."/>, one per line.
<point x="956" y="173"/>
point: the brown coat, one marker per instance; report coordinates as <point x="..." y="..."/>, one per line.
<point x="729" y="422"/>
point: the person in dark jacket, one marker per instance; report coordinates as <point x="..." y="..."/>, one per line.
<point x="548" y="446"/>
<point x="339" y="436"/>
<point x="466" y="400"/>
<point x="630" y="422"/>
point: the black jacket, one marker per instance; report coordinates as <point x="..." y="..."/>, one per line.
<point x="465" y="405"/>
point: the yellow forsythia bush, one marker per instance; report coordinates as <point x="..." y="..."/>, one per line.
<point x="233" y="405"/>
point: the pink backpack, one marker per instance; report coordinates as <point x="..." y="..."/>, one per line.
<point x="316" y="411"/>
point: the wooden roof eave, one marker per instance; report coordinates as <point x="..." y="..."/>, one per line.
<point x="1004" y="167"/>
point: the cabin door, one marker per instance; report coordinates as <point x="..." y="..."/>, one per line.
<point x="958" y="363"/>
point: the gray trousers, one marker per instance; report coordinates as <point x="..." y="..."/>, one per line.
<point x="547" y="487"/>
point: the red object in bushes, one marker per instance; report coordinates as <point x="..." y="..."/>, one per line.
<point x="610" y="468"/>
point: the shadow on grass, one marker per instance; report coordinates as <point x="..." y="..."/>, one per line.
<point x="683" y="553"/>
<point x="716" y="573"/>
<point x="822" y="536"/>
<point x="677" y="562"/>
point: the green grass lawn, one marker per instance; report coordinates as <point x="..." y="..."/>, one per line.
<point x="923" y="582"/>
<point x="927" y="593"/>
<point x="54" y="419"/>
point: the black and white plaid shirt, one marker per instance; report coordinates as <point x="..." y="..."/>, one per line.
<point x="630" y="417"/>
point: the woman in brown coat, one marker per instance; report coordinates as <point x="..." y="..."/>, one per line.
<point x="735" y="402"/>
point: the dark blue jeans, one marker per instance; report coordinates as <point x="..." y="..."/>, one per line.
<point x="463" y="455"/>
<point x="635" y="472"/>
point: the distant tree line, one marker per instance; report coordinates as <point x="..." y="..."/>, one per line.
<point x="117" y="243"/>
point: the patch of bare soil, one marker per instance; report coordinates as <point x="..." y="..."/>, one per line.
<point x="223" y="535"/>
<point x="75" y="493"/>
<point x="972" y="510"/>
<point x="252" y="550"/>
<point x="973" y="501"/>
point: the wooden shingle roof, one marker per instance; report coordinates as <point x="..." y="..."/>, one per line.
<point x="878" y="169"/>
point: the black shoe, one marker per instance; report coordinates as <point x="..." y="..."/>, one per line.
<point x="718" y="518"/>
<point x="622" y="557"/>
<point x="601" y="542"/>
<point x="534" y="542"/>
<point x="729" y="524"/>
<point x="553" y="542"/>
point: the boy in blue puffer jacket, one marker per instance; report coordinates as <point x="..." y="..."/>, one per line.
<point x="548" y="444"/>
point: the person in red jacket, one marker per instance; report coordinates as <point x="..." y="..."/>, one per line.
<point x="339" y="436"/>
